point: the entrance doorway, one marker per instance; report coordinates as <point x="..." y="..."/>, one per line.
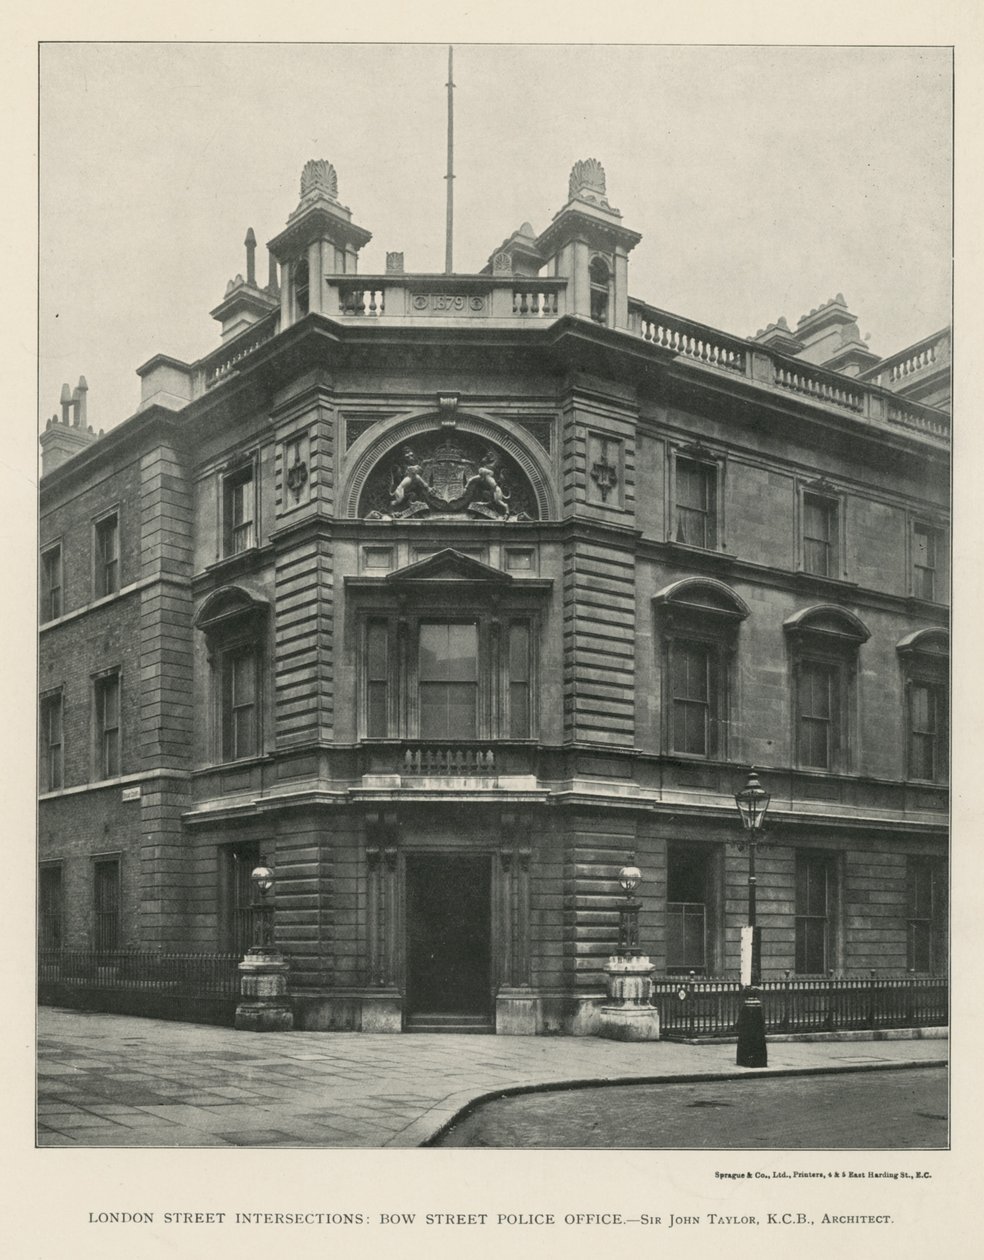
<point x="449" y="935"/>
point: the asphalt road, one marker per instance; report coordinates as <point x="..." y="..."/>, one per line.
<point x="895" y="1110"/>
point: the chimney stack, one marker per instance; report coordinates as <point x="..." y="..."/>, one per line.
<point x="63" y="438"/>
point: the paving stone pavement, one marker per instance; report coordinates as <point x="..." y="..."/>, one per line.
<point x="116" y="1080"/>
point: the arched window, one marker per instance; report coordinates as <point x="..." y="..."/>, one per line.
<point x="824" y="642"/>
<point x="699" y="620"/>
<point x="234" y="624"/>
<point x="925" y="657"/>
<point x="600" y="278"/>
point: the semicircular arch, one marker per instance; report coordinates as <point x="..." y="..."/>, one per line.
<point x="371" y="447"/>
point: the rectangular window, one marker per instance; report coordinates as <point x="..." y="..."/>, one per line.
<point x="448" y="680"/>
<point x="927" y="730"/>
<point x="107" y="561"/>
<point x="238" y="862"/>
<point x="927" y="562"/>
<point x="51" y="583"/>
<point x="693" y="698"/>
<point x="50" y="907"/>
<point x="377" y="679"/>
<point x="687" y="884"/>
<point x="925" y="915"/>
<point x="814" y="918"/>
<point x="519" y="680"/>
<point x="107" y="904"/>
<point x="107" y="726"/>
<point x="239" y="510"/>
<point x="52" y="744"/>
<point x="696" y="502"/>
<point x="819" y="535"/>
<point x="240" y="725"/>
<point x="818" y="716"/>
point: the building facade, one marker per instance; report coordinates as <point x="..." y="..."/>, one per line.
<point x="447" y="594"/>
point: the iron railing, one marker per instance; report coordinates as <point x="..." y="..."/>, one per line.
<point x="198" y="975"/>
<point x="697" y="1007"/>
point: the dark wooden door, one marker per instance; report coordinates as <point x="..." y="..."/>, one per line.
<point x="449" y="927"/>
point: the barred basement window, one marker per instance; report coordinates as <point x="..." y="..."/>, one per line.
<point x="690" y="909"/>
<point x="107" y="556"/>
<point x="106" y="877"/>
<point x="238" y="895"/>
<point x="107" y="726"/>
<point x="50" y="906"/>
<point x="51" y="582"/>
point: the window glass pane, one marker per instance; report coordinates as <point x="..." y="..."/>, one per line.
<point x="376" y="650"/>
<point x="692" y="684"/>
<point x="107" y="905"/>
<point x="50" y="907"/>
<point x="519" y="653"/>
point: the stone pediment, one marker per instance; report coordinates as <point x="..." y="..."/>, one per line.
<point x="449" y="566"/>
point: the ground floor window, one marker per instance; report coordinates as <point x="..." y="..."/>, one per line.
<point x="815" y="919"/>
<point x="925" y="915"/>
<point x="50" y="907"/>
<point x="106" y="876"/>
<point x="237" y="911"/>
<point x="691" y="909"/>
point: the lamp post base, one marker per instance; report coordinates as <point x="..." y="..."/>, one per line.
<point x="627" y="1015"/>
<point x="752" y="1050"/>
<point x="264" y="1005"/>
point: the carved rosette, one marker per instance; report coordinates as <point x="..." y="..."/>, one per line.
<point x="442" y="477"/>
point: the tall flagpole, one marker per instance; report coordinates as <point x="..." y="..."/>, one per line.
<point x="448" y="265"/>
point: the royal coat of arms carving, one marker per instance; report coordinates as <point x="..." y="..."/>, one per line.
<point x="441" y="478"/>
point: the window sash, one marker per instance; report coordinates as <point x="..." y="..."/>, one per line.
<point x="694" y="697"/>
<point x="819" y="535"/>
<point x="814" y="908"/>
<point x="107" y="905"/>
<point x="925" y="561"/>
<point x="519" y="671"/>
<point x="108" y="726"/>
<point x="695" y="503"/>
<point x="240" y="734"/>
<point x="107" y="556"/>
<point x="240" y="510"/>
<point x="819" y="714"/>
<point x="52" y="735"/>
<point x="925" y="915"/>
<point x="927" y="730"/>
<point x="51" y="584"/>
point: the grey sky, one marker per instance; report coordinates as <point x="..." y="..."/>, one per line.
<point x="763" y="180"/>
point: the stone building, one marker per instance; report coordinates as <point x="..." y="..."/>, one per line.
<point x="448" y="593"/>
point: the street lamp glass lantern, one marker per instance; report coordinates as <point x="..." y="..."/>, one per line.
<point x="630" y="877"/>
<point x="262" y="878"/>
<point x="752" y="801"/>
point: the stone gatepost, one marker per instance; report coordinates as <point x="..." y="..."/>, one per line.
<point x="627" y="1014"/>
<point x="264" y="1005"/>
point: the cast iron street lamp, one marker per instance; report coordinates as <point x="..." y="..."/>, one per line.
<point x="261" y="878"/>
<point x="752" y="801"/>
<point x="264" y="1004"/>
<point x="628" y="912"/>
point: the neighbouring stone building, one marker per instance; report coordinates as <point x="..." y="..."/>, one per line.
<point x="449" y="593"/>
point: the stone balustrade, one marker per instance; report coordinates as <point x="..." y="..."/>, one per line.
<point x="443" y="759"/>
<point x="867" y="398"/>
<point x="446" y="297"/>
<point x="923" y="357"/>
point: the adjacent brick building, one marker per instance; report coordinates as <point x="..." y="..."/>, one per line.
<point x="448" y="593"/>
